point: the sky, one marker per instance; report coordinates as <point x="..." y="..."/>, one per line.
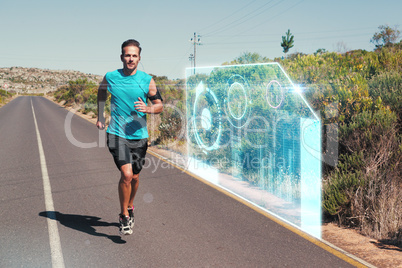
<point x="86" y="35"/>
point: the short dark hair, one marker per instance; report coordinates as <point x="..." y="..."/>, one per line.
<point x="130" y="42"/>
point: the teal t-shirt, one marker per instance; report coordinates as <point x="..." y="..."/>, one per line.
<point x="125" y="121"/>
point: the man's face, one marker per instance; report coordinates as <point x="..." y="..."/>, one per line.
<point x="130" y="57"/>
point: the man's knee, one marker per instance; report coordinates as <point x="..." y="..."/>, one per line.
<point x="126" y="175"/>
<point x="135" y="177"/>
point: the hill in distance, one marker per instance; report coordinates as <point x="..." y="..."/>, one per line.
<point x="34" y="80"/>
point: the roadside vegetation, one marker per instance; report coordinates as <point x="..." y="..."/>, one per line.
<point x="5" y="96"/>
<point x="81" y="94"/>
<point x="359" y="92"/>
<point x="364" y="91"/>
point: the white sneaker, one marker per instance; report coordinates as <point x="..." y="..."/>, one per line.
<point x="131" y="221"/>
<point x="125" y="227"/>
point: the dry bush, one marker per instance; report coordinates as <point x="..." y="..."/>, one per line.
<point x="378" y="206"/>
<point x="364" y="189"/>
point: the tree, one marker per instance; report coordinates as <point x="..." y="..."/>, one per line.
<point x="247" y="58"/>
<point x="386" y="36"/>
<point x="287" y="42"/>
<point x="320" y="51"/>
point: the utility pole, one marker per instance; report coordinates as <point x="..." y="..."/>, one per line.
<point x="191" y="58"/>
<point x="196" y="40"/>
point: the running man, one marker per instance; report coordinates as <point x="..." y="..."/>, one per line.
<point x="127" y="133"/>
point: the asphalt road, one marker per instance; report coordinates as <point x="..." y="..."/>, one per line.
<point x="180" y="221"/>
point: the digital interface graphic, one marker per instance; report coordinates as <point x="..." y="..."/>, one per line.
<point x="251" y="132"/>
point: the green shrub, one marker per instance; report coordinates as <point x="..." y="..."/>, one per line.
<point x="365" y="91"/>
<point x="368" y="175"/>
<point x="90" y="104"/>
<point x="172" y="122"/>
<point x="339" y="188"/>
<point x="388" y="86"/>
<point x="77" y="91"/>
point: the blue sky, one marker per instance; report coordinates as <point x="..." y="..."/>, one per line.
<point x="86" y="35"/>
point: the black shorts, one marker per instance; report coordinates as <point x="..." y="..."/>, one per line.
<point x="127" y="151"/>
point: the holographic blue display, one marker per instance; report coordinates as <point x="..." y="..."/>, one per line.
<point x="251" y="132"/>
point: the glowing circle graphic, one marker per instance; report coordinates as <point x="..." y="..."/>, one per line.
<point x="237" y="102"/>
<point x="207" y="119"/>
<point x="274" y="94"/>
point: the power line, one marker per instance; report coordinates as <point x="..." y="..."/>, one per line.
<point x="239" y="20"/>
<point x="270" y="18"/>
<point x="273" y="35"/>
<point x="174" y="69"/>
<point x="215" y="23"/>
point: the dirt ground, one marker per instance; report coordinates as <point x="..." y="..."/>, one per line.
<point x="365" y="248"/>
<point x="370" y="250"/>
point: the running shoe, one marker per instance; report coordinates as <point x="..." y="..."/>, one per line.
<point x="131" y="216"/>
<point x="125" y="228"/>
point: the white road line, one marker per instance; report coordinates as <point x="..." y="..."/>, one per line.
<point x="54" y="237"/>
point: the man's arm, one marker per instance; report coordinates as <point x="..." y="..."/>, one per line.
<point x="102" y="96"/>
<point x="157" y="105"/>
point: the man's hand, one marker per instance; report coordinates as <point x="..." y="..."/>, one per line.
<point x="140" y="106"/>
<point x="100" y="125"/>
<point x="155" y="108"/>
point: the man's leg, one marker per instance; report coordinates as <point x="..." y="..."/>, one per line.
<point x="134" y="187"/>
<point x="138" y="157"/>
<point x="126" y="188"/>
<point x="138" y="149"/>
